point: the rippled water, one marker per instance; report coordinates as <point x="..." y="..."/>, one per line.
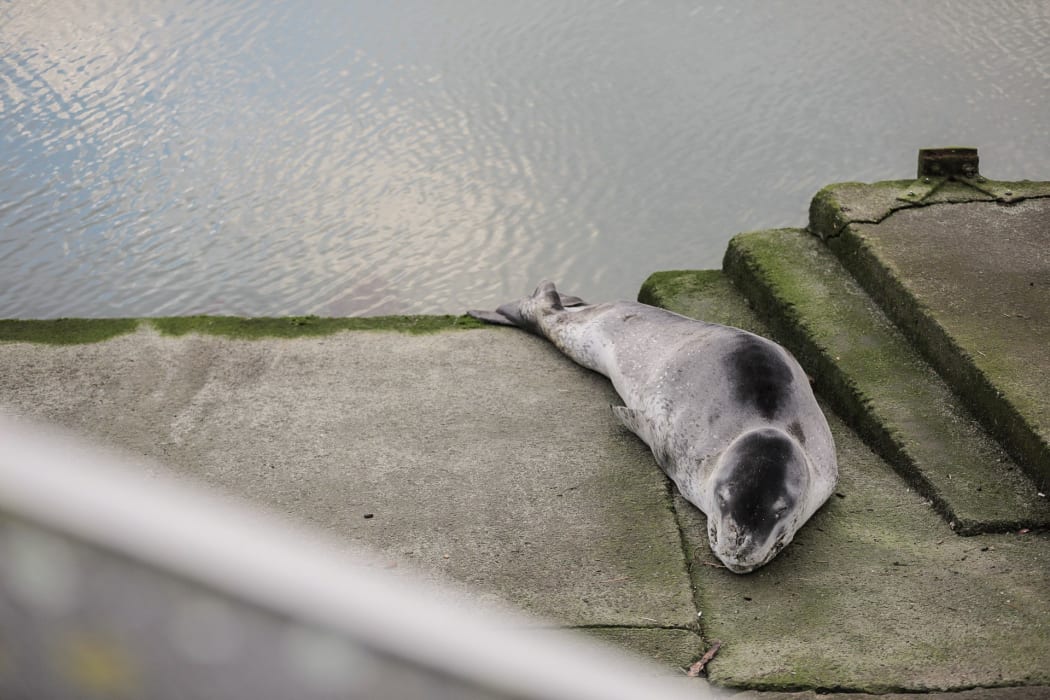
<point x="349" y="158"/>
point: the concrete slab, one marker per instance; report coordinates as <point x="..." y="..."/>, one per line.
<point x="881" y="385"/>
<point x="480" y="456"/>
<point x="1015" y="693"/>
<point x="876" y="594"/>
<point x="971" y="283"/>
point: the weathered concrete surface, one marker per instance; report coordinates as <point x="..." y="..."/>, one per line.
<point x="876" y="593"/>
<point x="1017" y="693"/>
<point x="881" y="385"/>
<point x="675" y="649"/>
<point x="969" y="282"/>
<point x="480" y="456"/>
<point x="837" y="206"/>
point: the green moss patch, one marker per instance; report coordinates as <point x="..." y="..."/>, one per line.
<point x="71" y="331"/>
<point x="65" y="331"/>
<point x="675" y="284"/>
<point x="707" y="295"/>
<point x="304" y="326"/>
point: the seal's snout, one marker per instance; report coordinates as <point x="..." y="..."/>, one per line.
<point x="741" y="567"/>
<point x="735" y="548"/>
<point x="758" y="489"/>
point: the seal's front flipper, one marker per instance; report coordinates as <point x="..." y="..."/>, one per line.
<point x="635" y="421"/>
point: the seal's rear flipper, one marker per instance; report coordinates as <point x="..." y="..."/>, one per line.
<point x="569" y="300"/>
<point x="508" y="314"/>
<point x="524" y="312"/>
<point x="491" y="317"/>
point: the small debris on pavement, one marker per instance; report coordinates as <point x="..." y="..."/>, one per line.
<point x="695" y="669"/>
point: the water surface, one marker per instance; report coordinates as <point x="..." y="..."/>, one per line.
<point x="355" y="158"/>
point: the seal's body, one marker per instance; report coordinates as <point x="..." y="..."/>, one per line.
<point x="729" y="415"/>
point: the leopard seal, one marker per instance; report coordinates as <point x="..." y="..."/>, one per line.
<point x="729" y="415"/>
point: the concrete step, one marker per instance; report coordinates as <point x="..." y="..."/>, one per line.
<point x="963" y="268"/>
<point x="869" y="372"/>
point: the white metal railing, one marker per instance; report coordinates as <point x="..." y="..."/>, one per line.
<point x="117" y="581"/>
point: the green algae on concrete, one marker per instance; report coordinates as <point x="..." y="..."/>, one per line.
<point x="968" y="284"/>
<point x="866" y="368"/>
<point x="702" y="294"/>
<point x="73" y="331"/>
<point x="875" y="594"/>
<point x="65" y="331"/>
<point x="707" y="295"/>
<point x="306" y="326"/>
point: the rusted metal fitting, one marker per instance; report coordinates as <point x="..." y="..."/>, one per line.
<point x="954" y="162"/>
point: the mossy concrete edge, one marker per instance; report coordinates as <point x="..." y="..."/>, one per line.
<point x="75" y="331"/>
<point x="668" y="287"/>
<point x="838" y="205"/>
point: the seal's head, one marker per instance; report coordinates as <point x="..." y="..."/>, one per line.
<point x="757" y="498"/>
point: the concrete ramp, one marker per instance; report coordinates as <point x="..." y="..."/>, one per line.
<point x="481" y="457"/>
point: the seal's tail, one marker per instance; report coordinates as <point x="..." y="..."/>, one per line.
<point x="524" y="312"/>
